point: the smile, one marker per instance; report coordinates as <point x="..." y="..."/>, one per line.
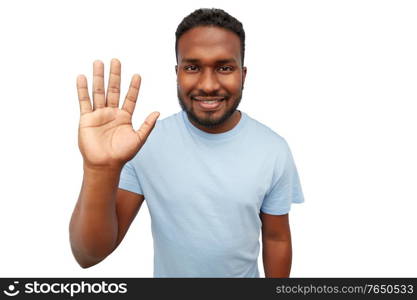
<point x="208" y="103"/>
<point x="205" y="99"/>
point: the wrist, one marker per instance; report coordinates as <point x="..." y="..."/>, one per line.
<point x="110" y="169"/>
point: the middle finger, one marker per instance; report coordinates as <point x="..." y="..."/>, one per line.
<point x="98" y="85"/>
<point x="113" y="88"/>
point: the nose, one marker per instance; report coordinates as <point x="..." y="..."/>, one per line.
<point x="208" y="82"/>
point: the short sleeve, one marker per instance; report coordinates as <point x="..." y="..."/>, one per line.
<point x="129" y="180"/>
<point x="285" y="188"/>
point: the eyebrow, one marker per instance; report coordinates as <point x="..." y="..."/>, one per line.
<point x="221" y="61"/>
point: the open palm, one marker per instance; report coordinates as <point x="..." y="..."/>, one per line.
<point x="106" y="137"/>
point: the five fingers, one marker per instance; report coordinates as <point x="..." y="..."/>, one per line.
<point x="101" y="100"/>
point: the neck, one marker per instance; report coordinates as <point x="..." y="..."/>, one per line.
<point x="227" y="125"/>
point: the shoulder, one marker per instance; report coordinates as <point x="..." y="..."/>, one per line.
<point x="165" y="128"/>
<point x="265" y="136"/>
<point x="171" y="122"/>
<point x="166" y="131"/>
<point x="160" y="137"/>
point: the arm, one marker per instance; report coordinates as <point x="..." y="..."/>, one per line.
<point x="276" y="245"/>
<point x="101" y="217"/>
<point x="107" y="140"/>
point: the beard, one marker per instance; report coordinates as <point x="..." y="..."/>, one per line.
<point x="209" y="121"/>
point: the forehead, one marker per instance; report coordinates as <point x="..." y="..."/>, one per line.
<point x="209" y="43"/>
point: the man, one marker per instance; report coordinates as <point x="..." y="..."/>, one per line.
<point x="213" y="177"/>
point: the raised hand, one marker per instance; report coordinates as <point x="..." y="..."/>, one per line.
<point x="106" y="137"/>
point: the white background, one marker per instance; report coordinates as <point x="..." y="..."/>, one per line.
<point x="337" y="79"/>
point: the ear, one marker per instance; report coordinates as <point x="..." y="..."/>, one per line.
<point x="176" y="69"/>
<point x="244" y="71"/>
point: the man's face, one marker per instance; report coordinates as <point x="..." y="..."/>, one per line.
<point x="210" y="75"/>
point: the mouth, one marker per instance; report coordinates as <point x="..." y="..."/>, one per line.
<point x="208" y="103"/>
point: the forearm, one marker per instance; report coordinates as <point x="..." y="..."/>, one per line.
<point x="94" y="225"/>
<point x="277" y="258"/>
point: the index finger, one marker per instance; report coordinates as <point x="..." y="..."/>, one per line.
<point x="83" y="98"/>
<point x="132" y="94"/>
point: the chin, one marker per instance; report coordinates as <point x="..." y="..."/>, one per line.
<point x="211" y="121"/>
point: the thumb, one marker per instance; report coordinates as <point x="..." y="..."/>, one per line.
<point x="147" y="126"/>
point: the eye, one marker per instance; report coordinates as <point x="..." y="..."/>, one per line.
<point x="191" y="68"/>
<point x="225" y="69"/>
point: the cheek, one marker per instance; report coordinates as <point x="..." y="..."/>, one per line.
<point x="186" y="83"/>
<point x="233" y="84"/>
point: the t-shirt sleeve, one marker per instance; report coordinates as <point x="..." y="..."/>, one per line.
<point x="285" y="188"/>
<point x="129" y="180"/>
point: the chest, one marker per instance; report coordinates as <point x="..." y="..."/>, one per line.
<point x="216" y="177"/>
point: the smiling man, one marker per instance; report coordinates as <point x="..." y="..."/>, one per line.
<point x="213" y="177"/>
<point x="210" y="76"/>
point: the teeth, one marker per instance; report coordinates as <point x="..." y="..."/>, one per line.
<point x="211" y="101"/>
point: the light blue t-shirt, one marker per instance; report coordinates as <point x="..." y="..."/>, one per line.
<point x="205" y="191"/>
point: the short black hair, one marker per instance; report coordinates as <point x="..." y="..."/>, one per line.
<point x="211" y="17"/>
